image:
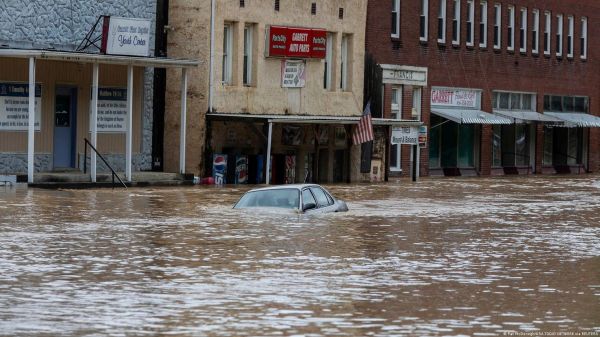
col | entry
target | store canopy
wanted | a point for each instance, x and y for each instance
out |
(465, 116)
(520, 117)
(573, 119)
(302, 119)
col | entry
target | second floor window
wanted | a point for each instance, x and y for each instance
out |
(248, 33)
(535, 32)
(227, 53)
(583, 41)
(570, 24)
(396, 18)
(523, 31)
(559, 35)
(547, 32)
(483, 24)
(328, 62)
(497, 25)
(442, 22)
(470, 19)
(423, 24)
(344, 66)
(456, 23)
(510, 44)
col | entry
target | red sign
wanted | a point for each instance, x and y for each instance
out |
(296, 42)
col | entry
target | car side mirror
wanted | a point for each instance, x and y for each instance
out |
(308, 206)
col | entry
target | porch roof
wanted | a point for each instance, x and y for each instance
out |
(81, 57)
(304, 119)
(520, 117)
(467, 116)
(574, 119)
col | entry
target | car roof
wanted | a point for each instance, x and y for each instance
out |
(282, 187)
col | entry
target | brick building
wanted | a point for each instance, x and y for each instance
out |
(508, 86)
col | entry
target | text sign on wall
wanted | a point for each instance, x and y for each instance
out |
(407, 75)
(125, 36)
(296, 42)
(14, 106)
(112, 110)
(405, 135)
(454, 97)
(293, 74)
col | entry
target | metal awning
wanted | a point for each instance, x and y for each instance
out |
(303, 119)
(520, 117)
(574, 119)
(465, 116)
(68, 56)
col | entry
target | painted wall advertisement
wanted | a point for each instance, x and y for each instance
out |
(296, 42)
(125, 36)
(454, 97)
(14, 106)
(405, 135)
(112, 110)
(293, 74)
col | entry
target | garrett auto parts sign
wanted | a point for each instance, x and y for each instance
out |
(292, 42)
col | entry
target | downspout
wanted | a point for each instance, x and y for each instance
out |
(212, 56)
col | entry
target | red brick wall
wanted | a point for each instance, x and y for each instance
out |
(489, 69)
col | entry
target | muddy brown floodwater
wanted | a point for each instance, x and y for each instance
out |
(473, 257)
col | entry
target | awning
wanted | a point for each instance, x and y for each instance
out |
(465, 116)
(520, 117)
(574, 119)
(304, 119)
(82, 57)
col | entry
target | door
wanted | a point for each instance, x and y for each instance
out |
(65, 121)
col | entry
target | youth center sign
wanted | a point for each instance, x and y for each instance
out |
(125, 36)
(292, 42)
(14, 106)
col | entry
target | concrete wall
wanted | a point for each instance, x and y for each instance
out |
(190, 37)
(62, 25)
(490, 69)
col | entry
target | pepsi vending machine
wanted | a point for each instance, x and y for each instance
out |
(241, 169)
(220, 169)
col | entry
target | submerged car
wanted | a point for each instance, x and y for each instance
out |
(303, 198)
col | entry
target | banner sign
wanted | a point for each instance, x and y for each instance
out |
(112, 110)
(296, 42)
(293, 74)
(14, 106)
(125, 36)
(454, 97)
(405, 135)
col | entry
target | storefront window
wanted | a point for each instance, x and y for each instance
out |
(574, 149)
(434, 142)
(395, 149)
(466, 135)
(497, 146)
(548, 146)
(521, 145)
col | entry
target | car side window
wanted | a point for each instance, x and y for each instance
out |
(307, 197)
(322, 199)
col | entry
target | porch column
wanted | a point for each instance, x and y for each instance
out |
(31, 127)
(183, 120)
(94, 121)
(268, 171)
(129, 123)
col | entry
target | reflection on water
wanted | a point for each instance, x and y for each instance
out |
(441, 257)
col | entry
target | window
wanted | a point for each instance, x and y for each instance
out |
(547, 32)
(248, 32)
(442, 22)
(570, 27)
(313, 8)
(396, 18)
(395, 149)
(344, 63)
(559, 35)
(566, 103)
(502, 100)
(341, 13)
(307, 197)
(456, 23)
(483, 25)
(328, 62)
(321, 197)
(535, 32)
(497, 25)
(523, 31)
(227, 53)
(277, 5)
(423, 20)
(416, 106)
(583, 38)
(510, 44)
(470, 19)
(242, 4)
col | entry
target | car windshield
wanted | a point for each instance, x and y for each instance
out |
(282, 198)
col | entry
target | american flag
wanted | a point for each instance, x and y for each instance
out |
(363, 132)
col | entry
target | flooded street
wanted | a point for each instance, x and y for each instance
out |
(474, 257)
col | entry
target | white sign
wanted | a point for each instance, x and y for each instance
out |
(14, 106)
(396, 74)
(405, 135)
(454, 97)
(112, 110)
(127, 36)
(293, 74)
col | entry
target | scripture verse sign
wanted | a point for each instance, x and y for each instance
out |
(112, 110)
(14, 106)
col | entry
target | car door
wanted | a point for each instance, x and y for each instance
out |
(324, 203)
